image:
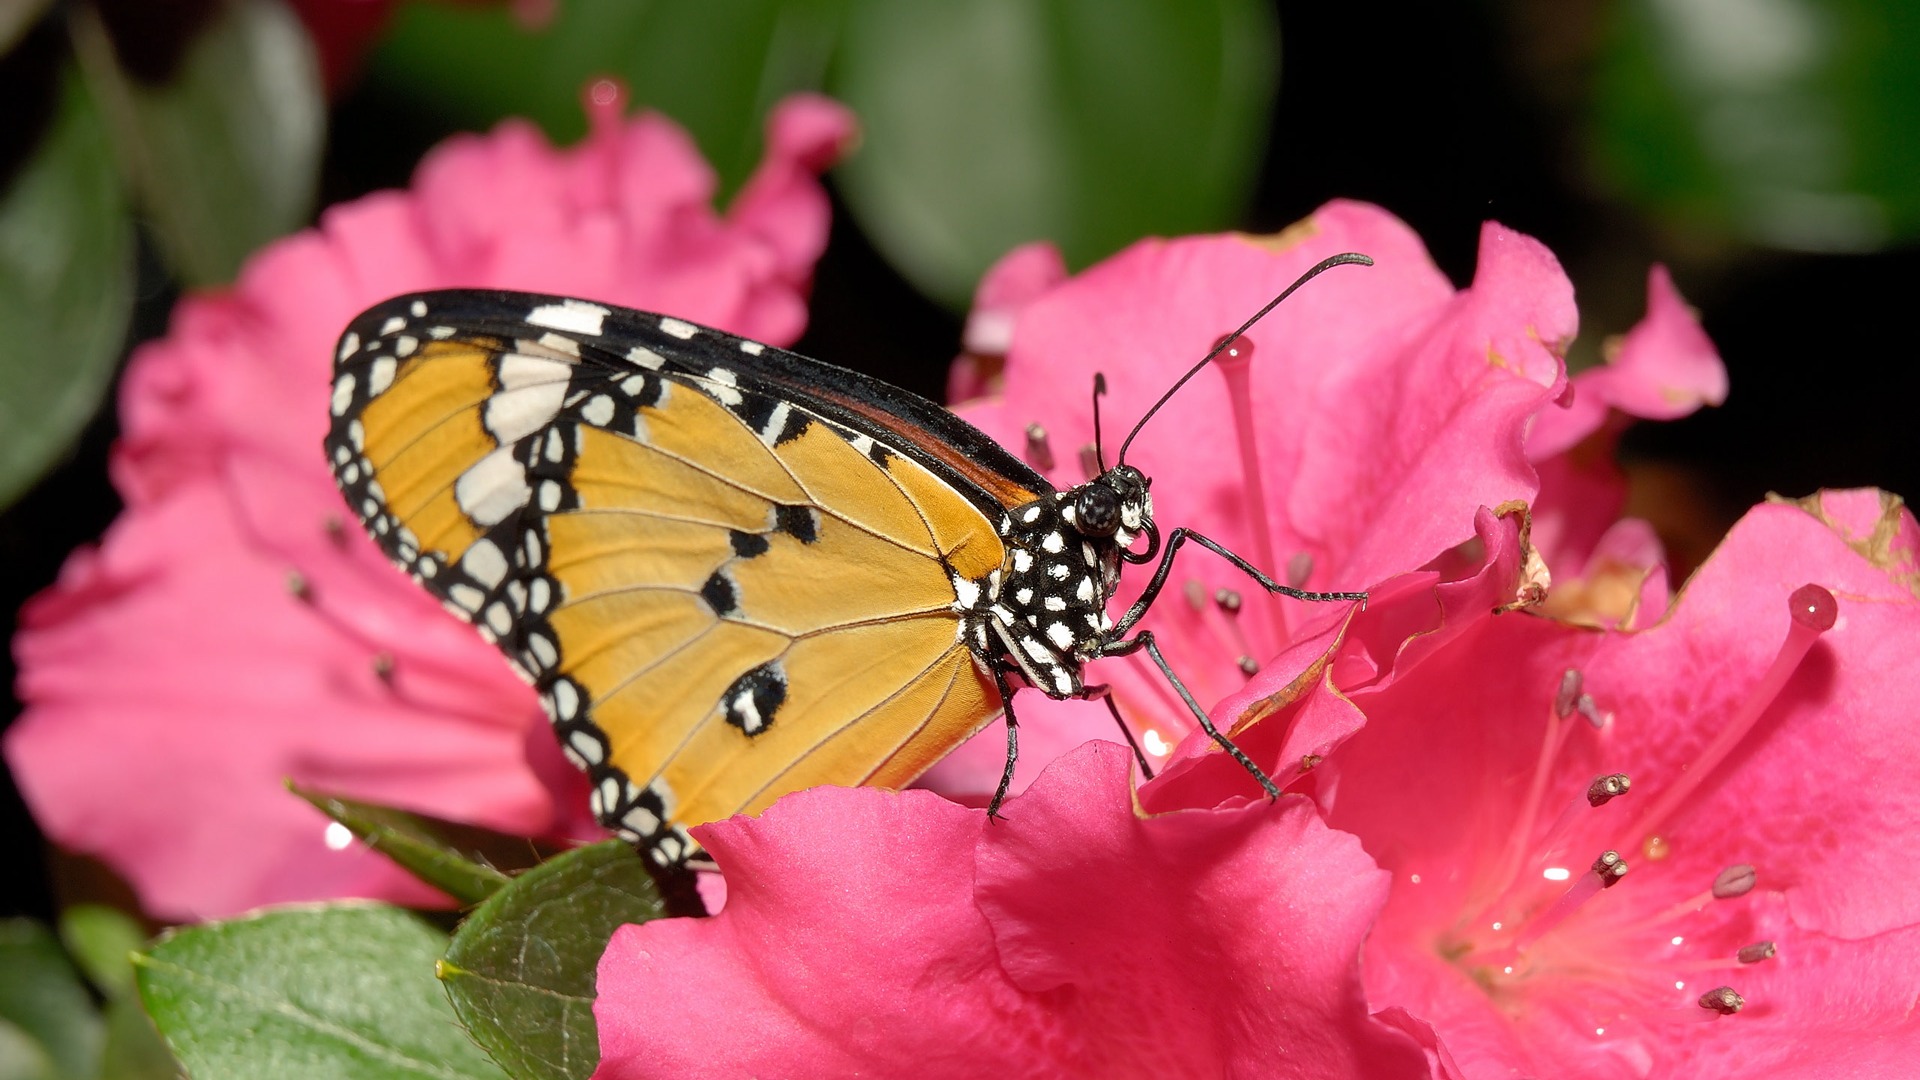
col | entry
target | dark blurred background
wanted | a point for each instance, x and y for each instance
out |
(1766, 152)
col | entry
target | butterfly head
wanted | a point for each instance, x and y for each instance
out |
(1116, 506)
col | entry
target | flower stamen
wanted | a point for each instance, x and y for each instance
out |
(1813, 611)
(1039, 448)
(1235, 365)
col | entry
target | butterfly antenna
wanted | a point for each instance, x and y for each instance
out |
(1319, 268)
(1099, 391)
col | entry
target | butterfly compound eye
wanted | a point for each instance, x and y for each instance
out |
(1096, 510)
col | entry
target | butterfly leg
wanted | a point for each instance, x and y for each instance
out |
(1160, 573)
(1013, 741)
(1105, 694)
(1144, 640)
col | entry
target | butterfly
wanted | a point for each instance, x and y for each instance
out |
(730, 571)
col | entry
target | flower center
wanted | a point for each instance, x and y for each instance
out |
(1551, 910)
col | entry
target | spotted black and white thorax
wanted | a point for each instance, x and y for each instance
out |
(1045, 610)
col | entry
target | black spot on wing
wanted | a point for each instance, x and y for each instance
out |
(721, 594)
(747, 545)
(771, 418)
(753, 699)
(799, 522)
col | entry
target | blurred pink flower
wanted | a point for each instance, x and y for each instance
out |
(235, 628)
(1768, 829)
(873, 933)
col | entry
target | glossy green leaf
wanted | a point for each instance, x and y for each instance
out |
(66, 288)
(102, 941)
(445, 856)
(715, 68)
(340, 990)
(227, 156)
(1090, 123)
(521, 969)
(1788, 123)
(51, 1021)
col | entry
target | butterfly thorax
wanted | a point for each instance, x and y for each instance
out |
(1046, 609)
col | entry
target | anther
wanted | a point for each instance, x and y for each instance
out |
(1609, 868)
(383, 666)
(1569, 693)
(1195, 594)
(336, 529)
(1735, 881)
(1585, 707)
(1248, 666)
(1607, 871)
(298, 587)
(1299, 569)
(1228, 601)
(1039, 450)
(1756, 952)
(1308, 762)
(1089, 461)
(1722, 1000)
(1605, 789)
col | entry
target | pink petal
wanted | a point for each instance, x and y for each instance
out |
(1074, 938)
(1664, 368)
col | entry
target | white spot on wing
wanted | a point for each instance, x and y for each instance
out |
(349, 345)
(494, 487)
(380, 375)
(485, 563)
(598, 411)
(682, 330)
(560, 343)
(531, 391)
(577, 316)
(966, 591)
(646, 358)
(342, 393)
(752, 348)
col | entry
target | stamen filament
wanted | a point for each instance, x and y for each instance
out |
(1813, 610)
(1235, 365)
(1607, 871)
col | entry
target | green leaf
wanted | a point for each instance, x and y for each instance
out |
(1786, 124)
(442, 854)
(714, 68)
(134, 1049)
(103, 941)
(340, 990)
(66, 289)
(227, 156)
(42, 998)
(1090, 123)
(22, 1057)
(521, 969)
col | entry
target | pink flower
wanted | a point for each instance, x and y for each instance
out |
(1381, 409)
(1381, 414)
(872, 933)
(235, 629)
(1760, 737)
